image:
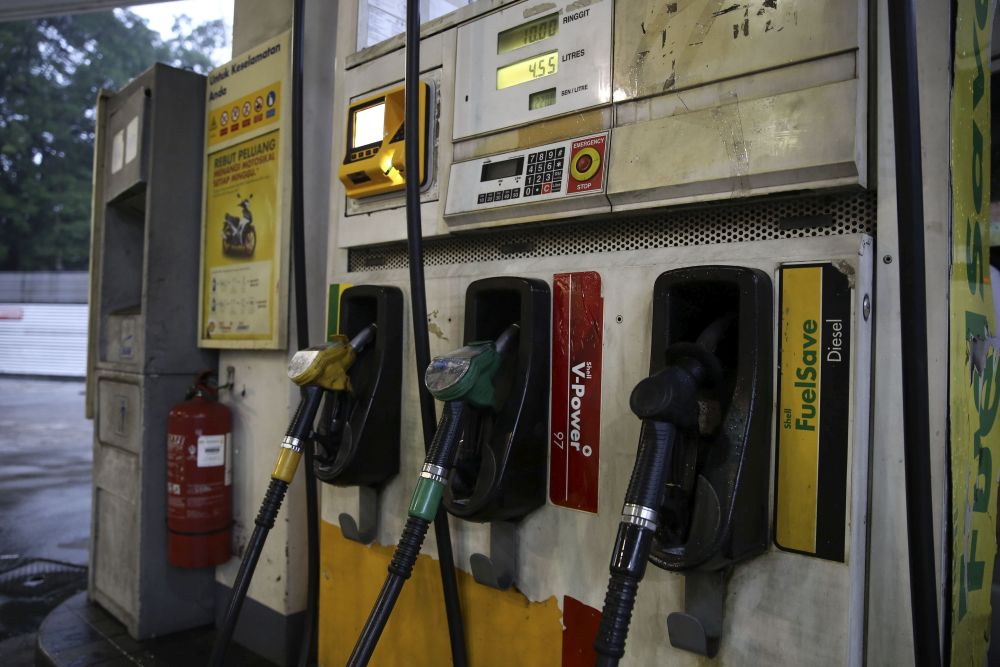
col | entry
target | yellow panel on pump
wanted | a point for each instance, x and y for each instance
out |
(502, 628)
(374, 156)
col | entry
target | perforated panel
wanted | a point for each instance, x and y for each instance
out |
(729, 223)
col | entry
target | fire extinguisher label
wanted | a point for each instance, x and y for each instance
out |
(211, 451)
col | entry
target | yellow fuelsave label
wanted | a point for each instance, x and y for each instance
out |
(814, 418)
(798, 456)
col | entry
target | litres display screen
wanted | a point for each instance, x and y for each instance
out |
(528, 69)
(528, 33)
(369, 125)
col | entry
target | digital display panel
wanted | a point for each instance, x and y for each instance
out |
(542, 99)
(493, 171)
(369, 125)
(528, 33)
(527, 70)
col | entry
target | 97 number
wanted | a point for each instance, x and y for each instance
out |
(559, 440)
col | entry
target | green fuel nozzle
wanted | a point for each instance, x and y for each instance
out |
(462, 379)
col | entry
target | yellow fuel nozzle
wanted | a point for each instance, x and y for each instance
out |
(326, 365)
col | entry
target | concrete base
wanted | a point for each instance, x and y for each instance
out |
(81, 634)
(262, 630)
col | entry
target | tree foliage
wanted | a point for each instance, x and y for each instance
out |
(50, 73)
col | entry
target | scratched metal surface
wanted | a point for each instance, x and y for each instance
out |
(670, 45)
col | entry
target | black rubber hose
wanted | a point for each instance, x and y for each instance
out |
(913, 311)
(646, 489)
(264, 522)
(421, 342)
(307, 650)
(441, 453)
(298, 428)
(400, 570)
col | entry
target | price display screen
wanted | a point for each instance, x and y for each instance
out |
(528, 33)
(527, 70)
(542, 99)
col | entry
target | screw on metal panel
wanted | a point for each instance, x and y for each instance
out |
(887, 259)
(866, 307)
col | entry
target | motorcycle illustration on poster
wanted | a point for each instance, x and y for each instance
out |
(239, 238)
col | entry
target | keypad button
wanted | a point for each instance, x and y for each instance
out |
(556, 186)
(515, 193)
(550, 154)
(527, 191)
(559, 163)
(537, 190)
(550, 165)
(547, 178)
(531, 158)
(481, 199)
(557, 175)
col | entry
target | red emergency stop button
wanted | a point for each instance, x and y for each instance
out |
(586, 164)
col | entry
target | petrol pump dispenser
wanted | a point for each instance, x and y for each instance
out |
(698, 498)
(357, 436)
(500, 469)
(595, 147)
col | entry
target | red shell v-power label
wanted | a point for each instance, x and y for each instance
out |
(199, 483)
(577, 337)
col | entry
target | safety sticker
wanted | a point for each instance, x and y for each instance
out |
(211, 451)
(577, 336)
(813, 411)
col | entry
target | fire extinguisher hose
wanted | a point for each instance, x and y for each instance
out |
(292, 447)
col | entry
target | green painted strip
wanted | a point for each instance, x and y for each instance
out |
(426, 499)
(332, 311)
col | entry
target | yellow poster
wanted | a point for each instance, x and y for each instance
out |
(243, 231)
(974, 387)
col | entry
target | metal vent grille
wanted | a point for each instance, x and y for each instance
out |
(761, 220)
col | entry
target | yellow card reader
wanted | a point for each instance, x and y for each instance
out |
(375, 162)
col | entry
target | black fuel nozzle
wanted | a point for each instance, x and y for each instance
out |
(667, 404)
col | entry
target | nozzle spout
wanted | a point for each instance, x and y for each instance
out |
(505, 339)
(364, 337)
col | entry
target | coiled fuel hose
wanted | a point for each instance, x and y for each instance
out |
(463, 379)
(317, 370)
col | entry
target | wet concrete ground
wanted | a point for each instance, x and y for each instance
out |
(45, 476)
(45, 467)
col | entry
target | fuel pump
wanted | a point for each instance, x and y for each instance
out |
(698, 498)
(463, 379)
(500, 469)
(317, 370)
(358, 432)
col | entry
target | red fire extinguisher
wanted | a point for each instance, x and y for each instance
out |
(199, 479)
